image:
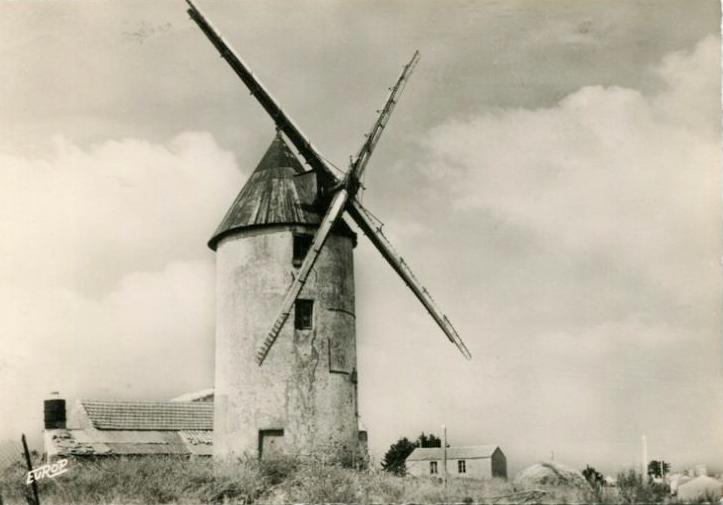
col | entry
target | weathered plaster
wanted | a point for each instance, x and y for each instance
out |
(294, 389)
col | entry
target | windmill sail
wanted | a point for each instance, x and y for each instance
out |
(371, 230)
(344, 190)
(336, 209)
(366, 150)
(337, 206)
(281, 119)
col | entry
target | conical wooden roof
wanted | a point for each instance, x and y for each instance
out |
(278, 192)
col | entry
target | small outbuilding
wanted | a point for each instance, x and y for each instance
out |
(475, 461)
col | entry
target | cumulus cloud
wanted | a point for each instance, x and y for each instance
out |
(86, 217)
(594, 313)
(607, 170)
(575, 247)
(107, 285)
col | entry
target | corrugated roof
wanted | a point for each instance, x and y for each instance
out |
(158, 416)
(279, 191)
(74, 443)
(122, 442)
(437, 453)
(128, 449)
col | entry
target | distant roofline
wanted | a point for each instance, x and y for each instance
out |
(454, 452)
(194, 395)
(130, 402)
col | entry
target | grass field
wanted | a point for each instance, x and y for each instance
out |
(172, 480)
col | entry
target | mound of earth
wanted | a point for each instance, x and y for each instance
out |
(550, 474)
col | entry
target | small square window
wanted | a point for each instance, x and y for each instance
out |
(432, 467)
(461, 466)
(302, 244)
(304, 314)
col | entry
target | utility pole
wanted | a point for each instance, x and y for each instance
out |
(645, 457)
(444, 454)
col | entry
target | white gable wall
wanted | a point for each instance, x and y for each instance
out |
(477, 468)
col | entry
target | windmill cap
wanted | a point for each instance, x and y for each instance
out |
(278, 192)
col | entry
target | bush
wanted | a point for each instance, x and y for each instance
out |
(632, 488)
(287, 480)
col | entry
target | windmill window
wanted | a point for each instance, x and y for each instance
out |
(304, 314)
(302, 244)
(461, 466)
(432, 467)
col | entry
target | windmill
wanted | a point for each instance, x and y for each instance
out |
(278, 388)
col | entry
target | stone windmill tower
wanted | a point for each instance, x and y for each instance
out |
(303, 398)
(286, 379)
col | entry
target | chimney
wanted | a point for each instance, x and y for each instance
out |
(54, 410)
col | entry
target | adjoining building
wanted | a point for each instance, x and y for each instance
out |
(476, 462)
(128, 428)
(182, 426)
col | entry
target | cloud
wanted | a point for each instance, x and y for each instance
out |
(574, 246)
(83, 218)
(607, 171)
(107, 286)
(582, 268)
(154, 328)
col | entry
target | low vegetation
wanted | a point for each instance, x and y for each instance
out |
(395, 457)
(173, 480)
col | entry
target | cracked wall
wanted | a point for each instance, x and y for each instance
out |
(305, 387)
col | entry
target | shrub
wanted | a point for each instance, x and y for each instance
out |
(632, 488)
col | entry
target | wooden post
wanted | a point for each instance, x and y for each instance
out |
(444, 454)
(35, 499)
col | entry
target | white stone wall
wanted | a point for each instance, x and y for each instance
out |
(477, 468)
(293, 389)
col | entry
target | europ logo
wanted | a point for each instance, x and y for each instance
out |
(47, 471)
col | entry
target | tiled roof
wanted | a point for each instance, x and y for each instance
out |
(158, 416)
(437, 453)
(198, 442)
(279, 191)
(197, 437)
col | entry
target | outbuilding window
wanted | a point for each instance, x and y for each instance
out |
(432, 467)
(302, 244)
(304, 314)
(461, 466)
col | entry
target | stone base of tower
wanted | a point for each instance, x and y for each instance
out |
(298, 438)
(302, 401)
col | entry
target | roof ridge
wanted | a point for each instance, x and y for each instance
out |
(143, 402)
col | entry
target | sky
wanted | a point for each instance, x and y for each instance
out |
(551, 174)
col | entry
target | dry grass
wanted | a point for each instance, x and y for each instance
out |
(180, 481)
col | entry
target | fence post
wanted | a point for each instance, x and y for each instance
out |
(35, 498)
(444, 454)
